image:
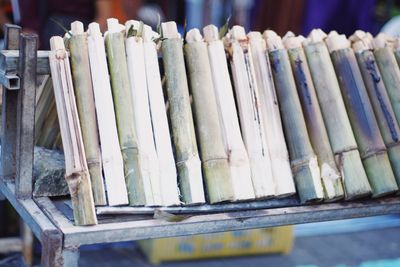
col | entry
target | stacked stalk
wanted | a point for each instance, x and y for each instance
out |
(396, 47)
(251, 121)
(184, 137)
(302, 157)
(76, 169)
(362, 118)
(214, 159)
(86, 108)
(380, 102)
(331, 180)
(113, 166)
(139, 189)
(337, 123)
(162, 138)
(282, 173)
(234, 147)
(141, 111)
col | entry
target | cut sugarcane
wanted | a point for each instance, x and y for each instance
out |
(183, 133)
(303, 160)
(396, 46)
(380, 101)
(76, 169)
(331, 180)
(234, 147)
(139, 189)
(87, 115)
(141, 111)
(337, 123)
(390, 71)
(282, 173)
(372, 148)
(113, 165)
(162, 138)
(247, 100)
(214, 159)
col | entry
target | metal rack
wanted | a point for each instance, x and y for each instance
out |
(59, 237)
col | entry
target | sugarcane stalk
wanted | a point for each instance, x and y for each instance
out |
(139, 192)
(303, 160)
(141, 111)
(396, 46)
(251, 121)
(331, 179)
(87, 115)
(334, 113)
(380, 101)
(76, 169)
(180, 113)
(282, 173)
(162, 138)
(370, 143)
(240, 172)
(212, 152)
(113, 166)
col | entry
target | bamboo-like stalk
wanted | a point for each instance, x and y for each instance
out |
(390, 71)
(282, 173)
(380, 102)
(251, 121)
(113, 166)
(362, 118)
(331, 180)
(302, 157)
(214, 159)
(86, 108)
(141, 111)
(138, 190)
(76, 169)
(337, 123)
(183, 133)
(396, 46)
(162, 138)
(234, 147)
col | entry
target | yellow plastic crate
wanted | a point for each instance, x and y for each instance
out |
(235, 243)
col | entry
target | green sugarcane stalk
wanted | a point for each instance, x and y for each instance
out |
(337, 123)
(115, 47)
(333, 188)
(212, 152)
(87, 114)
(382, 107)
(362, 118)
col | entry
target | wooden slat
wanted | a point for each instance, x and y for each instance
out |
(10, 60)
(10, 244)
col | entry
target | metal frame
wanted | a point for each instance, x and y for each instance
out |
(61, 239)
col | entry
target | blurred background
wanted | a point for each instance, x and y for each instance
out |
(368, 242)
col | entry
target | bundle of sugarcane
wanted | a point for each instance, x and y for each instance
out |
(330, 175)
(337, 123)
(282, 173)
(379, 98)
(302, 157)
(240, 172)
(372, 148)
(76, 171)
(251, 121)
(113, 166)
(141, 110)
(389, 69)
(214, 159)
(87, 115)
(184, 137)
(162, 138)
(139, 189)
(396, 46)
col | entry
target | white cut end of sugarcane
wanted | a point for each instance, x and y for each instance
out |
(210, 33)
(316, 177)
(148, 34)
(256, 37)
(289, 34)
(357, 35)
(77, 28)
(135, 24)
(292, 42)
(361, 45)
(113, 26)
(194, 36)
(334, 41)
(316, 36)
(193, 165)
(273, 41)
(170, 30)
(94, 29)
(56, 43)
(383, 40)
(237, 33)
(329, 176)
